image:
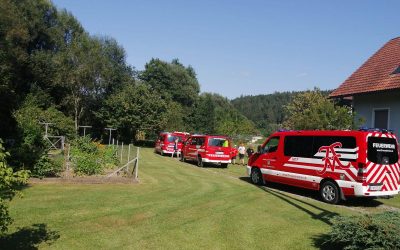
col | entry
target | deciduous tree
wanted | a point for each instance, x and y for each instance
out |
(313, 110)
(134, 108)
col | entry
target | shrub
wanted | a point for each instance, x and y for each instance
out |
(9, 181)
(47, 167)
(378, 231)
(85, 144)
(109, 156)
(86, 164)
(91, 157)
(30, 144)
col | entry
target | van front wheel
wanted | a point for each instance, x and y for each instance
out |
(256, 176)
(330, 192)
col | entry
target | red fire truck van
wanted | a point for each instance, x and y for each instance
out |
(204, 149)
(338, 164)
(166, 141)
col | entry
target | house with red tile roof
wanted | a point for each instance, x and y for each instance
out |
(375, 88)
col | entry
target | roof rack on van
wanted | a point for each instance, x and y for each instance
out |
(186, 133)
(284, 130)
(376, 130)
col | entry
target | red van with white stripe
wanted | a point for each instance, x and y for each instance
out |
(166, 141)
(214, 149)
(338, 164)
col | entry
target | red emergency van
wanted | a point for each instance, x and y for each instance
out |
(338, 164)
(204, 149)
(166, 141)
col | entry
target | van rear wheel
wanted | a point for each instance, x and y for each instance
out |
(330, 192)
(256, 176)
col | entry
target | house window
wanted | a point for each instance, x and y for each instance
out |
(381, 118)
(396, 71)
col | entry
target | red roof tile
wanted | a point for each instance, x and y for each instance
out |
(375, 74)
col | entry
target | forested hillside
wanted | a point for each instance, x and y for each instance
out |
(266, 111)
(53, 71)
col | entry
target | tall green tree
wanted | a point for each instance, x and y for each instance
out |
(135, 108)
(313, 110)
(88, 70)
(172, 81)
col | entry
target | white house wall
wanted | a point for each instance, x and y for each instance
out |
(365, 104)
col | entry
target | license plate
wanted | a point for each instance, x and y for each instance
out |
(375, 188)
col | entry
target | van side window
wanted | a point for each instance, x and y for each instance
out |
(347, 141)
(271, 145)
(194, 141)
(200, 141)
(299, 146)
(308, 146)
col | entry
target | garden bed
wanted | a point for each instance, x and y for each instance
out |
(85, 180)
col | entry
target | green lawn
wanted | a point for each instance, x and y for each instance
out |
(175, 206)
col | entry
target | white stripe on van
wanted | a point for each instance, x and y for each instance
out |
(344, 156)
(352, 150)
(290, 175)
(341, 171)
(311, 160)
(302, 166)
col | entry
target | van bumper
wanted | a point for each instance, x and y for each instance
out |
(215, 161)
(248, 169)
(362, 191)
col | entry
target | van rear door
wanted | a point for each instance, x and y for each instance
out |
(383, 164)
(218, 148)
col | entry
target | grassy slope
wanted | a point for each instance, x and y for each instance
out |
(176, 205)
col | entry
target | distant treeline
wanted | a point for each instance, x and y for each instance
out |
(267, 111)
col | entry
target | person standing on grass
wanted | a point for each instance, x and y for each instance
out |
(250, 151)
(176, 150)
(242, 151)
(234, 154)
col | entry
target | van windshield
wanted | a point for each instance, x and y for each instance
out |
(218, 142)
(382, 150)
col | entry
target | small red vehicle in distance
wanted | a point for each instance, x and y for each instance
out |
(204, 149)
(166, 141)
(338, 164)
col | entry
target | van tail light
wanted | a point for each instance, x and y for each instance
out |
(361, 174)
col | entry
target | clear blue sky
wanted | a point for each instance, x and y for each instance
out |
(247, 47)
